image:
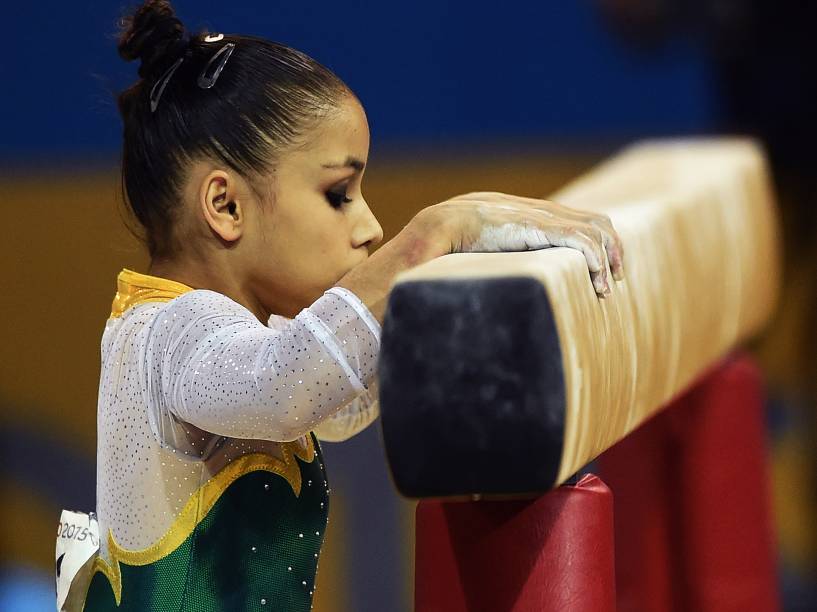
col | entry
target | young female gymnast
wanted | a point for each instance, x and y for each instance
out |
(257, 331)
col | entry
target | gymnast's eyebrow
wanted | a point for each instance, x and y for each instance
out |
(350, 162)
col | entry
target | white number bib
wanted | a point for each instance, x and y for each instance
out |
(77, 547)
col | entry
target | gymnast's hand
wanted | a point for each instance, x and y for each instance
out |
(490, 222)
(486, 222)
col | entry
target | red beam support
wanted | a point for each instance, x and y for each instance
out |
(692, 502)
(554, 552)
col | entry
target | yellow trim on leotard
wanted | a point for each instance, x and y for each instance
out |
(199, 504)
(133, 288)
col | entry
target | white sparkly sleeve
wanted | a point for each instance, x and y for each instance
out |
(215, 366)
(360, 412)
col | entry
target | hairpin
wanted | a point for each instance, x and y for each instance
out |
(159, 87)
(206, 81)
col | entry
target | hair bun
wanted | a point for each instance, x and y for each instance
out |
(153, 34)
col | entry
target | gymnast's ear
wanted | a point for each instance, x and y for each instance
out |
(221, 205)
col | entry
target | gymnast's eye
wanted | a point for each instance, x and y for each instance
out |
(337, 196)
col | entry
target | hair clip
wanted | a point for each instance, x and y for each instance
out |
(206, 81)
(159, 87)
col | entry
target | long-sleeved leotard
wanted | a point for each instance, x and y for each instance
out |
(195, 392)
(213, 365)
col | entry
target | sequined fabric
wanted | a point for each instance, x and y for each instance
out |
(191, 382)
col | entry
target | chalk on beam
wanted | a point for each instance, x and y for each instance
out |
(504, 373)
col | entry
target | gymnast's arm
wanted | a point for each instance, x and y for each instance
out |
(215, 366)
(360, 412)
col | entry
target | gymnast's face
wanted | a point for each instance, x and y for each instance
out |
(277, 243)
(314, 224)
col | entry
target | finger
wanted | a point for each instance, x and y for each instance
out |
(613, 247)
(587, 240)
(615, 255)
(599, 277)
(612, 242)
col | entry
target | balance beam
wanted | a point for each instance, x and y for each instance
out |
(504, 373)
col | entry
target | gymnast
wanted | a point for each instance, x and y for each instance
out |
(256, 331)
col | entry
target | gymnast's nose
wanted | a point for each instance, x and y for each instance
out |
(367, 230)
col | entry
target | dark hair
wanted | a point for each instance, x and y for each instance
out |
(262, 102)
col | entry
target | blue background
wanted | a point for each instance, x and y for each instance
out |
(428, 72)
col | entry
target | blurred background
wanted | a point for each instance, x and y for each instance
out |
(518, 96)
